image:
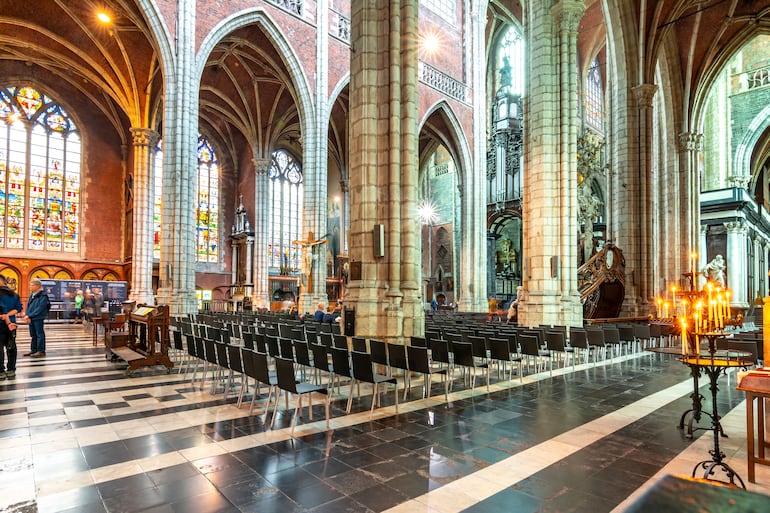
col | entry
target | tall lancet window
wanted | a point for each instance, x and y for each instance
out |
(286, 207)
(206, 206)
(207, 211)
(40, 157)
(594, 97)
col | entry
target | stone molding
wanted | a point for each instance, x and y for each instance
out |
(689, 141)
(144, 137)
(261, 166)
(644, 94)
(735, 226)
(568, 14)
(739, 181)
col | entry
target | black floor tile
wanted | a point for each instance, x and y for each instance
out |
(172, 474)
(209, 503)
(379, 497)
(137, 484)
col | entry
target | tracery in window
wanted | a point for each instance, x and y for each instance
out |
(40, 156)
(444, 8)
(286, 205)
(510, 53)
(594, 96)
(206, 206)
(207, 213)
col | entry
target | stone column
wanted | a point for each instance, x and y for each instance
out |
(700, 281)
(344, 217)
(472, 283)
(551, 210)
(644, 259)
(690, 148)
(568, 14)
(491, 264)
(765, 271)
(737, 263)
(180, 138)
(144, 141)
(248, 289)
(383, 136)
(758, 274)
(315, 163)
(234, 263)
(262, 202)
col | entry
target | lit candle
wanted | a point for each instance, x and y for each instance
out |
(684, 336)
(684, 308)
(665, 310)
(660, 303)
(696, 316)
(727, 300)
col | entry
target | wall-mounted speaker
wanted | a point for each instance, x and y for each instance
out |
(378, 240)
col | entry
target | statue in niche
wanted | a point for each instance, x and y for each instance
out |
(715, 271)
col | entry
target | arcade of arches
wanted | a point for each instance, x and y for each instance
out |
(504, 165)
(385, 153)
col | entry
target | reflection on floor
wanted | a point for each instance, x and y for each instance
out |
(78, 435)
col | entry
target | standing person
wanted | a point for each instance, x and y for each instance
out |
(10, 305)
(79, 298)
(98, 301)
(38, 306)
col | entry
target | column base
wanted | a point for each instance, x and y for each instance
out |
(550, 310)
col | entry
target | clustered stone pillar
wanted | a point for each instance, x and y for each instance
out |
(383, 170)
(473, 280)
(144, 141)
(737, 263)
(180, 129)
(315, 158)
(690, 148)
(550, 211)
(261, 294)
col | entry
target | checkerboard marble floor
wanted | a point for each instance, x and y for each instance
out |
(79, 435)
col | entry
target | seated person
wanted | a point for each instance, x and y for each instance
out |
(318, 316)
(329, 315)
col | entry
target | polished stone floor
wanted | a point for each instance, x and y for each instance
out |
(78, 435)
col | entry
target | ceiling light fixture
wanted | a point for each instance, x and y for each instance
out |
(103, 17)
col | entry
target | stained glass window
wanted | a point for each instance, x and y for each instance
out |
(207, 213)
(206, 207)
(593, 96)
(286, 206)
(158, 196)
(40, 153)
(511, 51)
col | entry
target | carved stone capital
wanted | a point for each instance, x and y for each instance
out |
(261, 166)
(343, 186)
(689, 141)
(735, 226)
(739, 181)
(568, 13)
(644, 94)
(704, 229)
(144, 137)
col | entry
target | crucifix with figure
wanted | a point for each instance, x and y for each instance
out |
(309, 254)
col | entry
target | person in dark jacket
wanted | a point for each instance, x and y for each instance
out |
(10, 305)
(318, 316)
(35, 314)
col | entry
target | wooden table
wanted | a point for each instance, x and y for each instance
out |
(756, 384)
